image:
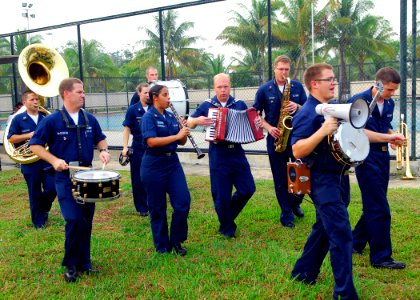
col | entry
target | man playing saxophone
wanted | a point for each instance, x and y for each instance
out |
(269, 99)
(39, 175)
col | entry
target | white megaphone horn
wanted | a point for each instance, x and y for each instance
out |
(357, 113)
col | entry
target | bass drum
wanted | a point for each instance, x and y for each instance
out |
(349, 146)
(178, 95)
(96, 186)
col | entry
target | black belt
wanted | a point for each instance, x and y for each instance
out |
(160, 153)
(381, 148)
(224, 145)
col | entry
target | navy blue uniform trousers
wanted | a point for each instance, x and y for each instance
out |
(331, 232)
(41, 190)
(229, 168)
(163, 175)
(78, 228)
(139, 193)
(374, 226)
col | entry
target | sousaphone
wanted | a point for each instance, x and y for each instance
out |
(42, 69)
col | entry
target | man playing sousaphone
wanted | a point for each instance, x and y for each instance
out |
(39, 175)
(71, 134)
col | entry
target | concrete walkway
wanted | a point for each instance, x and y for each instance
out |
(259, 165)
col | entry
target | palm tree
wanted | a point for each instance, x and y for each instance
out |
(371, 42)
(96, 63)
(293, 31)
(250, 31)
(215, 65)
(340, 35)
(177, 46)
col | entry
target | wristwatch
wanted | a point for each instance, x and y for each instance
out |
(103, 149)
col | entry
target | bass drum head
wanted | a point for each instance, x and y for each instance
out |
(96, 175)
(353, 142)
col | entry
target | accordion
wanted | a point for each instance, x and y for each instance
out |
(235, 126)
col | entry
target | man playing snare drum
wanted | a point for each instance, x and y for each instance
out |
(71, 134)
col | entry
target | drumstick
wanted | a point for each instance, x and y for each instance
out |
(103, 166)
(79, 168)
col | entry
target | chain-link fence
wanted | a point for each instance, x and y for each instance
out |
(108, 97)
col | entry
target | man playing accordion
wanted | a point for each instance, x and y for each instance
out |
(229, 166)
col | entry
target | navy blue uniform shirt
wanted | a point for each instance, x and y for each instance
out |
(133, 120)
(135, 99)
(305, 123)
(154, 124)
(62, 140)
(267, 95)
(22, 123)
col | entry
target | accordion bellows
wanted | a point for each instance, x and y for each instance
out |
(234, 126)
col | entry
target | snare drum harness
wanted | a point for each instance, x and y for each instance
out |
(77, 127)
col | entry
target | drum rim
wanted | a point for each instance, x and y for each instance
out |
(105, 179)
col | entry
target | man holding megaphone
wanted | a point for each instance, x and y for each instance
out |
(329, 187)
(374, 224)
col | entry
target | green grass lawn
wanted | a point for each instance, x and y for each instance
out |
(255, 265)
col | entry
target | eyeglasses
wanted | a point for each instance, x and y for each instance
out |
(329, 79)
(282, 69)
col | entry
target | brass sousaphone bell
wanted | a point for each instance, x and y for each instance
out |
(42, 69)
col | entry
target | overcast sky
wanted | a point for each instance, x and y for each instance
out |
(209, 19)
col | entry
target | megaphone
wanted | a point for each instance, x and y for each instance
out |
(357, 113)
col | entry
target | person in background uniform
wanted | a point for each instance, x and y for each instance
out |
(132, 124)
(269, 99)
(162, 173)
(72, 134)
(374, 225)
(39, 175)
(151, 75)
(229, 166)
(329, 188)
(18, 105)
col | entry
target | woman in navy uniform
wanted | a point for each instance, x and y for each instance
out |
(269, 99)
(72, 134)
(39, 175)
(132, 125)
(228, 164)
(162, 173)
(329, 188)
(374, 225)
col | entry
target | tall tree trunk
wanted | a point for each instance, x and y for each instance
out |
(344, 92)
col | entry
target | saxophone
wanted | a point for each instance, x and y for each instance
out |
(285, 121)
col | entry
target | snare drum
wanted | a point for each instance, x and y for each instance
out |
(349, 146)
(96, 186)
